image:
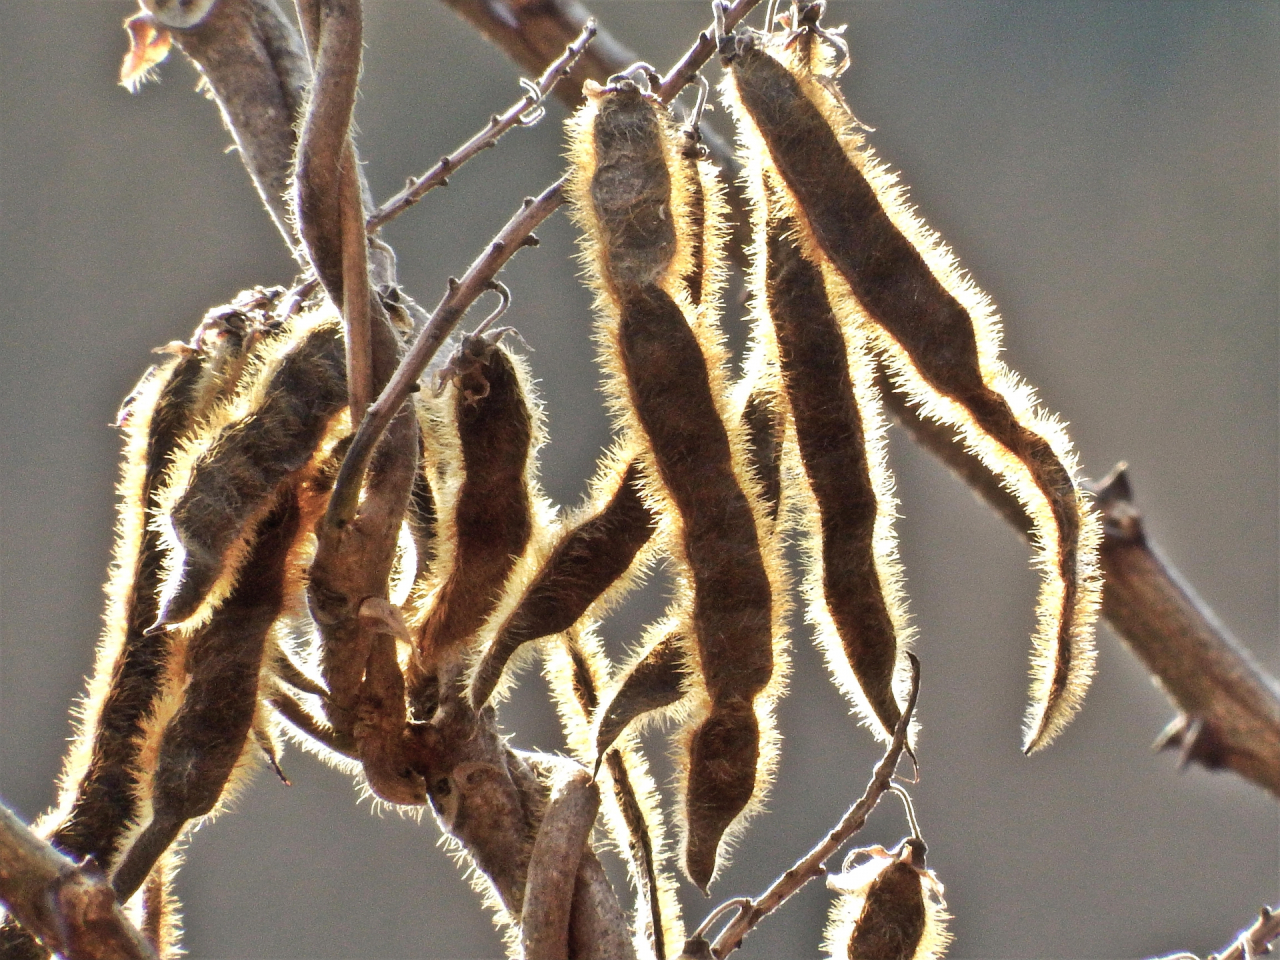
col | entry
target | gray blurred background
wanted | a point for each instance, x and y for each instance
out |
(1107, 171)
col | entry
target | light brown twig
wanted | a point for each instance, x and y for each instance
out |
(810, 865)
(524, 112)
(71, 909)
(553, 865)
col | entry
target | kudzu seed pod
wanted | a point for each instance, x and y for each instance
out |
(720, 782)
(885, 270)
(631, 192)
(839, 435)
(230, 479)
(201, 755)
(490, 511)
(591, 558)
(891, 908)
(658, 679)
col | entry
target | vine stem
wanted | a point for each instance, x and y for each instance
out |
(811, 865)
(524, 112)
(71, 909)
(463, 292)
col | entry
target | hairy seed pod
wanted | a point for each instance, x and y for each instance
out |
(202, 748)
(631, 192)
(490, 512)
(890, 908)
(939, 334)
(225, 483)
(721, 779)
(658, 679)
(161, 912)
(855, 576)
(589, 560)
(765, 426)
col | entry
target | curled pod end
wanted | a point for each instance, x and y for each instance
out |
(889, 908)
(724, 752)
(1064, 655)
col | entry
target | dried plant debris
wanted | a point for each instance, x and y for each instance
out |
(890, 908)
(890, 278)
(667, 385)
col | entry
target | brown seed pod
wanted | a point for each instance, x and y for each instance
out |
(658, 679)
(720, 782)
(853, 586)
(890, 908)
(200, 755)
(585, 569)
(486, 509)
(632, 197)
(886, 272)
(227, 480)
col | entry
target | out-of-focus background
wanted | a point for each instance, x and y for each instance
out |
(1107, 171)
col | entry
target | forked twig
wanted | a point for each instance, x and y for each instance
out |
(1254, 941)
(524, 112)
(462, 293)
(810, 865)
(71, 909)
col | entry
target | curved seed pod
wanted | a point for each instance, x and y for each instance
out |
(890, 908)
(553, 866)
(765, 426)
(200, 756)
(218, 491)
(586, 568)
(487, 518)
(720, 782)
(631, 195)
(853, 587)
(885, 270)
(656, 680)
(576, 670)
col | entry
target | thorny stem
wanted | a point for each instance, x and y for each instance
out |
(72, 910)
(524, 112)
(462, 293)
(530, 34)
(1229, 706)
(811, 864)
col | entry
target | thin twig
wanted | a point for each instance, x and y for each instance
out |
(524, 112)
(72, 910)
(1255, 941)
(553, 866)
(810, 865)
(458, 299)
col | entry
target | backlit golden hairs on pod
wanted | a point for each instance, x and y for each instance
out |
(891, 278)
(890, 908)
(485, 498)
(217, 492)
(630, 190)
(853, 586)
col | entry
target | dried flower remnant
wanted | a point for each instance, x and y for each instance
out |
(889, 276)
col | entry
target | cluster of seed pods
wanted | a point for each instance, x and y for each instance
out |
(223, 634)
